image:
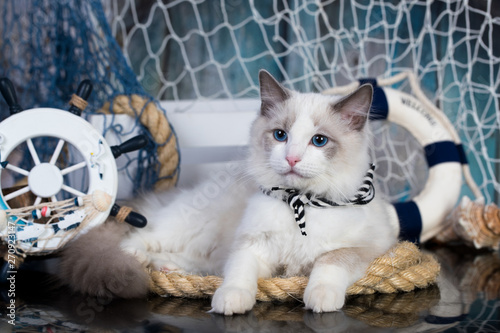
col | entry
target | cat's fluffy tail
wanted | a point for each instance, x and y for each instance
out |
(95, 264)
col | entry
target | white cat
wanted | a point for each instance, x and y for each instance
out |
(304, 205)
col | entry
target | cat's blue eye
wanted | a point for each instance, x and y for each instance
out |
(280, 135)
(319, 140)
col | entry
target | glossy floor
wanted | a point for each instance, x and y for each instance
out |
(466, 299)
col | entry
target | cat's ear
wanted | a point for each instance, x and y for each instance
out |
(271, 92)
(355, 107)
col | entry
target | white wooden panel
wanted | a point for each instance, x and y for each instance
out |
(211, 134)
(224, 127)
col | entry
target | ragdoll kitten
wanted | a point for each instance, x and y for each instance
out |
(305, 205)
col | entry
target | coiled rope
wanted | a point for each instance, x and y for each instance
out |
(403, 268)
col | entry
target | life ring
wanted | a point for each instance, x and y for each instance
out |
(421, 218)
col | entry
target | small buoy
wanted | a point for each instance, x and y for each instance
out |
(101, 200)
(46, 211)
(39, 213)
(36, 214)
(78, 201)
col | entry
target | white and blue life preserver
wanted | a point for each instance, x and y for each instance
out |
(421, 218)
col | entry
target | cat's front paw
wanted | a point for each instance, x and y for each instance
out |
(232, 300)
(164, 264)
(324, 297)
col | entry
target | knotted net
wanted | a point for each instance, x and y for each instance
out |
(49, 47)
(206, 50)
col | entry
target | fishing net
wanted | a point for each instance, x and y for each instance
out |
(208, 50)
(49, 47)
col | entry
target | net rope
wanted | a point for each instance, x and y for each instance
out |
(43, 228)
(205, 50)
(48, 47)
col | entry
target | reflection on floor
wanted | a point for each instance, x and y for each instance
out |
(465, 299)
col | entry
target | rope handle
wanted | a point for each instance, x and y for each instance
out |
(126, 214)
(78, 102)
(123, 213)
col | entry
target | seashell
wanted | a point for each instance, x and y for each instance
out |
(492, 218)
(101, 200)
(475, 224)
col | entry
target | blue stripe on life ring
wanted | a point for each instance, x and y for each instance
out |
(380, 108)
(410, 221)
(442, 152)
(461, 154)
(370, 80)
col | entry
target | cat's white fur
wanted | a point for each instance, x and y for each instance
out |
(190, 230)
(228, 226)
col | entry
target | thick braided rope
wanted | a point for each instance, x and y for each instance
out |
(403, 268)
(78, 102)
(157, 124)
(123, 213)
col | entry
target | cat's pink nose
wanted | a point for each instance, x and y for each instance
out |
(292, 160)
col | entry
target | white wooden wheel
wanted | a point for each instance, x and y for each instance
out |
(47, 180)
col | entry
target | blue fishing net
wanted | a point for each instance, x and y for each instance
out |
(48, 47)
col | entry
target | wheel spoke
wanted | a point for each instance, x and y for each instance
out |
(72, 191)
(17, 169)
(57, 151)
(33, 152)
(37, 201)
(53, 198)
(17, 193)
(73, 168)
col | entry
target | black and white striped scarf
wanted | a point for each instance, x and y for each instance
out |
(297, 200)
